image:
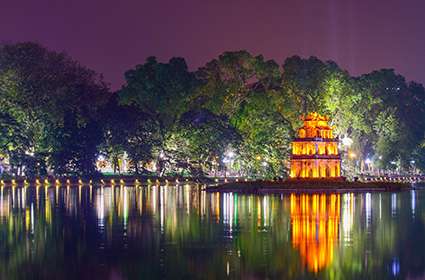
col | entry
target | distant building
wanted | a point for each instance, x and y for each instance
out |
(315, 150)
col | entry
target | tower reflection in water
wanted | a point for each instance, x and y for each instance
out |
(246, 234)
(315, 227)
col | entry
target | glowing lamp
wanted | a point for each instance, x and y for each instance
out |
(346, 141)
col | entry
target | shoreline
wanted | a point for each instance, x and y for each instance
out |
(221, 185)
(110, 180)
(307, 186)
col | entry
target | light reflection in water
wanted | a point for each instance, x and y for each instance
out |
(368, 207)
(317, 232)
(162, 206)
(100, 208)
(347, 218)
(315, 226)
(32, 218)
(228, 210)
(124, 192)
(394, 204)
(413, 201)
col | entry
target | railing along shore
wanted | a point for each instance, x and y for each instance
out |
(165, 180)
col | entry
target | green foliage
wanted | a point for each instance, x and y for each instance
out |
(228, 80)
(57, 115)
(263, 104)
(134, 132)
(387, 128)
(199, 140)
(160, 89)
(266, 137)
(49, 106)
(246, 90)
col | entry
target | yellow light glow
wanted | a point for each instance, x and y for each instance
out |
(314, 228)
(315, 152)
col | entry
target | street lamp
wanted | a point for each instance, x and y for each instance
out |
(230, 154)
(346, 141)
(228, 159)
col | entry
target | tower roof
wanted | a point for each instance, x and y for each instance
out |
(315, 126)
(314, 116)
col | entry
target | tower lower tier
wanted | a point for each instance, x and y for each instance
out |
(315, 168)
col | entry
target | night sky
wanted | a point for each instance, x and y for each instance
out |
(113, 36)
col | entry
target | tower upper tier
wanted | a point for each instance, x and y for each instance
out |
(315, 126)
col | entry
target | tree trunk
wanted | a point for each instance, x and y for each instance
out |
(136, 167)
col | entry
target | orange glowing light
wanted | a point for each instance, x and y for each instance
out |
(314, 228)
(315, 150)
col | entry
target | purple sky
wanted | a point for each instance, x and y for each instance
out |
(113, 36)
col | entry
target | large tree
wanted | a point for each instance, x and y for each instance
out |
(396, 116)
(128, 129)
(160, 90)
(199, 141)
(228, 80)
(247, 89)
(55, 101)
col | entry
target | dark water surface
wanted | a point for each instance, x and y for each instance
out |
(181, 232)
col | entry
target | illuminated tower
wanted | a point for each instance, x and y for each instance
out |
(315, 150)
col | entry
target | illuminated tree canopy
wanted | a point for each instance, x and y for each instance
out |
(57, 115)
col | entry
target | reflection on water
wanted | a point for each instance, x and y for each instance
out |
(182, 232)
(315, 225)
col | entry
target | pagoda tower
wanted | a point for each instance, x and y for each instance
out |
(315, 150)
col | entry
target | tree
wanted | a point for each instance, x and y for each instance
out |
(199, 140)
(390, 90)
(159, 89)
(266, 136)
(303, 82)
(386, 127)
(55, 101)
(127, 129)
(57, 115)
(227, 81)
(246, 89)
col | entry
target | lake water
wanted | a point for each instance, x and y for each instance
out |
(181, 232)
